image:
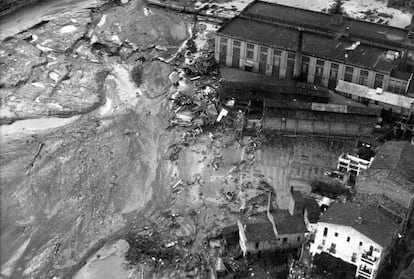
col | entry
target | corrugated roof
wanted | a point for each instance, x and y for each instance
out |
(373, 223)
(370, 93)
(322, 22)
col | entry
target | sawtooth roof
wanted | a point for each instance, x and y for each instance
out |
(374, 223)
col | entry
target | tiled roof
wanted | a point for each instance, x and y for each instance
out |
(288, 224)
(258, 228)
(373, 222)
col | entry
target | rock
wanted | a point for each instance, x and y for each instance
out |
(17, 60)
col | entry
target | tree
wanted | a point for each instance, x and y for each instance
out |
(337, 7)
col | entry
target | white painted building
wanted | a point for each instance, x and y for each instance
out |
(357, 234)
(353, 164)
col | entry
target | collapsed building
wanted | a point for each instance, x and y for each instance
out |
(294, 107)
(285, 42)
(391, 174)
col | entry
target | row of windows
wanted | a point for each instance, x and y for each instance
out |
(348, 239)
(277, 57)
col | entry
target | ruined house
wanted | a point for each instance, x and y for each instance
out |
(391, 173)
(277, 229)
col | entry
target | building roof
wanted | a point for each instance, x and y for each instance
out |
(297, 196)
(322, 22)
(396, 156)
(370, 93)
(363, 56)
(258, 228)
(288, 224)
(320, 116)
(313, 209)
(365, 218)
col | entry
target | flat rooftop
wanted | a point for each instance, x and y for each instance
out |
(363, 56)
(322, 21)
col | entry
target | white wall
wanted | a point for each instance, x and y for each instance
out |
(344, 249)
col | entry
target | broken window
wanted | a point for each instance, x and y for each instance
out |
(363, 77)
(379, 79)
(349, 72)
(250, 51)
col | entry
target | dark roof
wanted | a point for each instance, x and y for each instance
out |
(313, 209)
(407, 273)
(322, 22)
(297, 196)
(288, 224)
(398, 158)
(363, 56)
(320, 115)
(400, 75)
(373, 222)
(258, 228)
(297, 103)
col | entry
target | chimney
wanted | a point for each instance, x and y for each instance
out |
(359, 220)
(298, 57)
(296, 202)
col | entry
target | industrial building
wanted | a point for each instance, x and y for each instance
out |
(318, 48)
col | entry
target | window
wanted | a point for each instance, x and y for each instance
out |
(223, 51)
(379, 79)
(305, 68)
(363, 77)
(284, 239)
(325, 231)
(323, 241)
(332, 249)
(360, 243)
(298, 238)
(353, 259)
(290, 66)
(257, 245)
(250, 51)
(336, 234)
(236, 54)
(349, 71)
(263, 60)
(348, 239)
(277, 57)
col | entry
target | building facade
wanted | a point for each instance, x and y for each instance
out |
(357, 234)
(265, 39)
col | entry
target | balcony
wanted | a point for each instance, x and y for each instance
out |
(368, 258)
(365, 271)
